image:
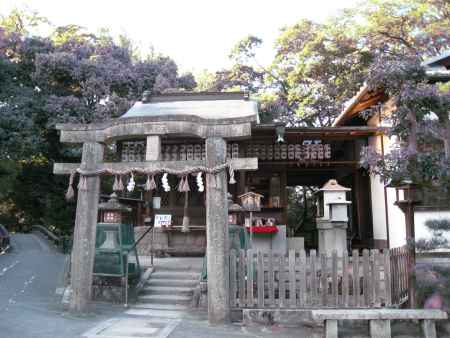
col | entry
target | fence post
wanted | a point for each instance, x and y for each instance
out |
(260, 276)
(376, 277)
(356, 290)
(366, 277)
(250, 301)
(324, 278)
(292, 286)
(233, 301)
(282, 281)
(334, 278)
(345, 275)
(314, 281)
(303, 273)
(387, 276)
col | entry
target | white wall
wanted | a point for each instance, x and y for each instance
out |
(397, 227)
(396, 218)
(378, 208)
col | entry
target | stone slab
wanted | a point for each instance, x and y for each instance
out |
(285, 317)
(155, 313)
(133, 328)
(371, 314)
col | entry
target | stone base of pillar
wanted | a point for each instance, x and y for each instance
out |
(332, 236)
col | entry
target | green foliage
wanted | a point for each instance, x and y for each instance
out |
(438, 225)
(301, 214)
(319, 67)
(71, 75)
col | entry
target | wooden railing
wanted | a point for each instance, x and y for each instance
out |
(298, 280)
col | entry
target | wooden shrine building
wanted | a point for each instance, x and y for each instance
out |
(287, 157)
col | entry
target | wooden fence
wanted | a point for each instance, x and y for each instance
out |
(298, 280)
(399, 272)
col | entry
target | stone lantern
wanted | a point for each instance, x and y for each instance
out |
(109, 230)
(234, 219)
(112, 210)
(234, 212)
(115, 252)
(332, 222)
(251, 201)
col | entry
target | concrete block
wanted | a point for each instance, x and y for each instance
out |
(380, 328)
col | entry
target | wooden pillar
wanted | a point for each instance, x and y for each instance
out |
(217, 248)
(407, 207)
(411, 244)
(83, 251)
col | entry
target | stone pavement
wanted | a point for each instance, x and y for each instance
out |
(194, 324)
(180, 321)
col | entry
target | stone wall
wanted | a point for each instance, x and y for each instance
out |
(174, 242)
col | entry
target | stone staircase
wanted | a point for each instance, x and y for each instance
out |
(168, 293)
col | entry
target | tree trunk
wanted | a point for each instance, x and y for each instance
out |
(412, 137)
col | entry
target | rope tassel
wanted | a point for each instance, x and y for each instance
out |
(116, 184)
(82, 184)
(150, 184)
(183, 186)
(120, 186)
(70, 193)
(231, 171)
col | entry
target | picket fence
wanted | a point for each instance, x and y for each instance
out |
(300, 280)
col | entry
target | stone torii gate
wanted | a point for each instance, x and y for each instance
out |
(152, 119)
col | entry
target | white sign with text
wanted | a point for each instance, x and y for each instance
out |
(161, 220)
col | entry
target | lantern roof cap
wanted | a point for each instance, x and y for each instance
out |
(333, 185)
(250, 193)
(403, 183)
(113, 204)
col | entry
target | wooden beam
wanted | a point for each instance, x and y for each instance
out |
(249, 163)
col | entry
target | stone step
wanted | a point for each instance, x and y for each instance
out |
(167, 307)
(165, 299)
(155, 313)
(172, 282)
(174, 275)
(178, 268)
(167, 290)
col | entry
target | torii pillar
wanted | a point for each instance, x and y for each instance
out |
(217, 242)
(83, 251)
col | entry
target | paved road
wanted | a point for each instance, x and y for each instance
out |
(29, 275)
